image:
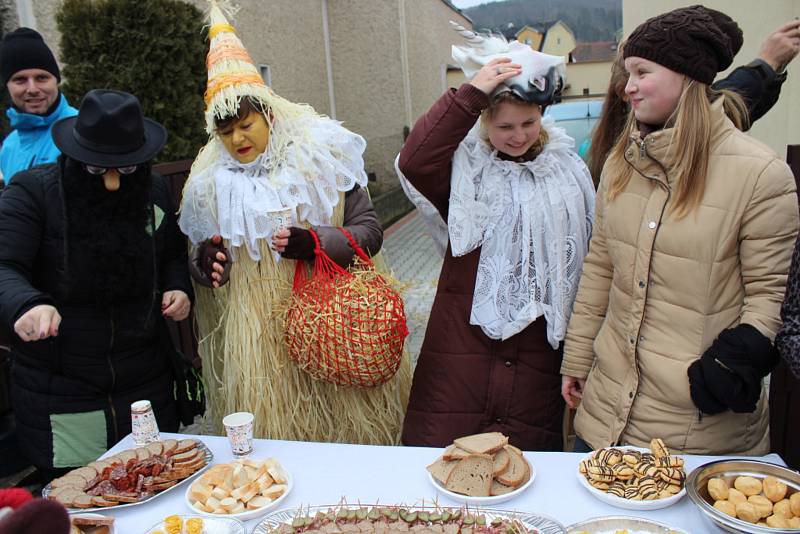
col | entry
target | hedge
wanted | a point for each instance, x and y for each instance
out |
(154, 49)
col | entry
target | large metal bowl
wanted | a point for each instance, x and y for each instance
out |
(697, 488)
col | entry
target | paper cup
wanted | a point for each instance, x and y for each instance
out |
(239, 427)
(144, 426)
(280, 219)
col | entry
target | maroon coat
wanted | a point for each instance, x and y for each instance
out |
(466, 382)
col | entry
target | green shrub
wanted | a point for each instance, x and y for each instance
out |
(154, 49)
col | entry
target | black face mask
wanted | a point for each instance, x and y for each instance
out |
(109, 247)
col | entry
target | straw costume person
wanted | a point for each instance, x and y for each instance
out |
(271, 169)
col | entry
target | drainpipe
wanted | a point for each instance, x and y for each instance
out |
(25, 14)
(328, 62)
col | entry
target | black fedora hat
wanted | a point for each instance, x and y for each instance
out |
(109, 131)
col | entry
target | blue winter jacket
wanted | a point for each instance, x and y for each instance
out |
(30, 142)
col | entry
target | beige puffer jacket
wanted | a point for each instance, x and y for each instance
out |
(656, 291)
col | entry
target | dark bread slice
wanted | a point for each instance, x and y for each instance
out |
(472, 476)
(486, 443)
(161, 486)
(69, 481)
(187, 456)
(155, 448)
(441, 469)
(142, 453)
(84, 500)
(185, 445)
(500, 489)
(101, 501)
(502, 461)
(96, 521)
(169, 447)
(517, 470)
(121, 498)
(454, 453)
(87, 473)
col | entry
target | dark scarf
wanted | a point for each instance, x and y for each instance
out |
(109, 252)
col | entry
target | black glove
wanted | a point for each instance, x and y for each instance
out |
(206, 255)
(728, 375)
(300, 246)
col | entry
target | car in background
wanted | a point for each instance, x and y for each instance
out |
(578, 118)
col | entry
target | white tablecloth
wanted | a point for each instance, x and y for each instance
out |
(325, 473)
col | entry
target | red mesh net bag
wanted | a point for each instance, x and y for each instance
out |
(345, 326)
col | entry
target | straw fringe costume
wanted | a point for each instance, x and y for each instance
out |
(309, 165)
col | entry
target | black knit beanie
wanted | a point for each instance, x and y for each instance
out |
(23, 49)
(695, 41)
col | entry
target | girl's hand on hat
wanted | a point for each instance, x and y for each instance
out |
(494, 73)
(176, 305)
(40, 322)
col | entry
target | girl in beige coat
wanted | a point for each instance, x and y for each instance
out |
(672, 329)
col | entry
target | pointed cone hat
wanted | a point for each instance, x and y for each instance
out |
(232, 73)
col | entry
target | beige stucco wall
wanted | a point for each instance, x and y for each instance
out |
(272, 33)
(781, 126)
(388, 60)
(559, 40)
(389, 64)
(368, 78)
(429, 52)
(291, 45)
(593, 75)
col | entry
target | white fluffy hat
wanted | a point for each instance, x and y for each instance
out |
(542, 74)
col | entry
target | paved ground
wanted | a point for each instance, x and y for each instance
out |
(415, 261)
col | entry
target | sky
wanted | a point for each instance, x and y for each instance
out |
(463, 4)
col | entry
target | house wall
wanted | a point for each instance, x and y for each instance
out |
(388, 61)
(591, 75)
(534, 36)
(559, 40)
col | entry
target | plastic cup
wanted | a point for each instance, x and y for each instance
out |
(239, 427)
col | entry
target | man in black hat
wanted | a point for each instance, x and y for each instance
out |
(31, 75)
(92, 263)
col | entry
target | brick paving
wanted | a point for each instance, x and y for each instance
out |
(416, 263)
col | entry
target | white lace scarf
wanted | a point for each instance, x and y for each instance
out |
(234, 199)
(532, 220)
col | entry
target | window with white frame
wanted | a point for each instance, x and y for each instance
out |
(266, 74)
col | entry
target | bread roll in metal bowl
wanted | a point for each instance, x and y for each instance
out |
(697, 488)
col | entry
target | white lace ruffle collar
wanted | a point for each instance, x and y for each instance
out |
(241, 201)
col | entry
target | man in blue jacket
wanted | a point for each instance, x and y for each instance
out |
(31, 74)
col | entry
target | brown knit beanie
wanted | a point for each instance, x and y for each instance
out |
(695, 41)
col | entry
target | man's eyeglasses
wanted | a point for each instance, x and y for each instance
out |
(98, 171)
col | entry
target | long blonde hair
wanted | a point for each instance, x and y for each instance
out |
(691, 131)
(489, 113)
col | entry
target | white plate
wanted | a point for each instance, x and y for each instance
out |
(249, 514)
(111, 529)
(209, 458)
(483, 501)
(211, 525)
(628, 504)
(536, 523)
(631, 525)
